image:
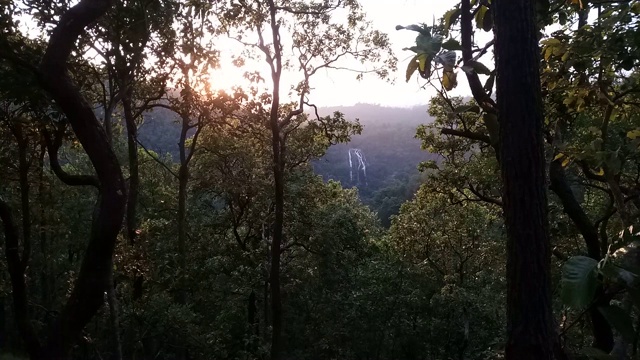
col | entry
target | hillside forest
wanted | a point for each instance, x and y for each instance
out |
(147, 214)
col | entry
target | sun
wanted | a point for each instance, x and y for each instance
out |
(226, 78)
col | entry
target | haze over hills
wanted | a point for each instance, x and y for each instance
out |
(390, 152)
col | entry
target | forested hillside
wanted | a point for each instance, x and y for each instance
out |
(150, 211)
(387, 142)
(391, 155)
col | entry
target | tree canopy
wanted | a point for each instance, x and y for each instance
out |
(146, 212)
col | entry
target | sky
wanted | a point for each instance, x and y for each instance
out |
(340, 88)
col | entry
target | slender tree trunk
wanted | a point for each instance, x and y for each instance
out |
(3, 321)
(23, 168)
(114, 317)
(134, 177)
(276, 239)
(530, 330)
(183, 179)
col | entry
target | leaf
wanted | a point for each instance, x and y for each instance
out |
(559, 156)
(488, 86)
(578, 281)
(633, 134)
(566, 162)
(493, 127)
(451, 44)
(447, 59)
(450, 17)
(620, 320)
(415, 49)
(618, 274)
(424, 65)
(428, 44)
(449, 80)
(412, 67)
(475, 66)
(480, 16)
(467, 108)
(424, 30)
(487, 21)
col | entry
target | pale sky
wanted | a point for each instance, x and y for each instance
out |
(339, 88)
(335, 87)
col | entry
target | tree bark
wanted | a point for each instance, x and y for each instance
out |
(530, 330)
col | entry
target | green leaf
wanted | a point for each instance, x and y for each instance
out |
(618, 274)
(412, 67)
(428, 44)
(449, 80)
(480, 16)
(488, 86)
(493, 127)
(487, 21)
(619, 320)
(451, 44)
(450, 17)
(424, 30)
(578, 282)
(447, 59)
(424, 65)
(467, 108)
(633, 134)
(474, 66)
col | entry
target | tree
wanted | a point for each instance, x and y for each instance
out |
(87, 294)
(520, 151)
(530, 330)
(344, 37)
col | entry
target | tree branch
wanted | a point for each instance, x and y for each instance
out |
(52, 149)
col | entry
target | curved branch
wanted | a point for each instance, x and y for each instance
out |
(72, 180)
(467, 134)
(573, 209)
(477, 90)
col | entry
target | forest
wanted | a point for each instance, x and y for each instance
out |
(148, 213)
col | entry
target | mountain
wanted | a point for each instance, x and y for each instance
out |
(390, 153)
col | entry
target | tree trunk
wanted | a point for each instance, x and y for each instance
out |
(114, 317)
(134, 177)
(276, 239)
(183, 179)
(530, 330)
(93, 278)
(3, 321)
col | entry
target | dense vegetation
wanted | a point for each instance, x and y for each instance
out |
(146, 215)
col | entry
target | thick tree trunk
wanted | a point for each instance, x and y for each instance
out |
(530, 330)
